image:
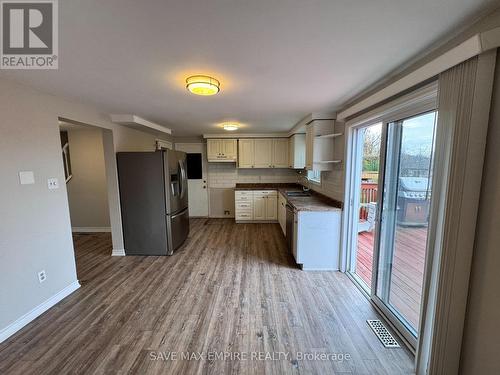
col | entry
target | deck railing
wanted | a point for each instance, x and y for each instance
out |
(368, 194)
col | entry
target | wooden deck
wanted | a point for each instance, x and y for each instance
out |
(408, 268)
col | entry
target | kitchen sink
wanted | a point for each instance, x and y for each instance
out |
(298, 194)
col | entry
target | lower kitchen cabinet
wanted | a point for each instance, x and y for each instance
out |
(257, 205)
(316, 245)
(272, 207)
(243, 205)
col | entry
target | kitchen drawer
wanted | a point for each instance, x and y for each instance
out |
(265, 193)
(244, 213)
(241, 216)
(243, 194)
(244, 205)
(244, 199)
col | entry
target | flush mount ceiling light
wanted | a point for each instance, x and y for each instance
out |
(230, 126)
(202, 85)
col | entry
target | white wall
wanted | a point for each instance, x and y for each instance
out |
(35, 230)
(87, 189)
(481, 334)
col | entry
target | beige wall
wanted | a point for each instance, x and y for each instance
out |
(35, 229)
(87, 189)
(480, 347)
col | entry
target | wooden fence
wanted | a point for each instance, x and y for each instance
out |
(368, 194)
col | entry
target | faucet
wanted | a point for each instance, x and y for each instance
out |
(303, 180)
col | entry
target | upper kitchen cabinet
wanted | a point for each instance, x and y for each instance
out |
(222, 150)
(280, 153)
(320, 145)
(246, 153)
(297, 151)
(263, 153)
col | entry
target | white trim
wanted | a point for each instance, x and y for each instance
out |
(139, 123)
(473, 46)
(90, 229)
(398, 108)
(12, 328)
(118, 253)
(300, 127)
(490, 39)
(162, 144)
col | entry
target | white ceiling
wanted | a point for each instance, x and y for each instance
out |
(277, 60)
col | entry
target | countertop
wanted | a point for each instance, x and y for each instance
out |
(315, 202)
(266, 186)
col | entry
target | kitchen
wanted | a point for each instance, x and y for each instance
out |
(310, 221)
(288, 179)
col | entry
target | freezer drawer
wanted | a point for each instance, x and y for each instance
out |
(178, 229)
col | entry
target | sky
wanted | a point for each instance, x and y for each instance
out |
(418, 134)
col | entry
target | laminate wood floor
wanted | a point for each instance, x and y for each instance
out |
(232, 291)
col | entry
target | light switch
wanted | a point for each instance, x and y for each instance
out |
(53, 183)
(26, 177)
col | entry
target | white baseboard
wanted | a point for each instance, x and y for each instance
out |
(90, 229)
(118, 252)
(12, 328)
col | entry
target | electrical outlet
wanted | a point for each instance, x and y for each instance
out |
(227, 212)
(42, 276)
(53, 183)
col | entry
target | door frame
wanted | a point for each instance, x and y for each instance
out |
(204, 160)
(421, 100)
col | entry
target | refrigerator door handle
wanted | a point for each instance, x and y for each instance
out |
(178, 214)
(182, 184)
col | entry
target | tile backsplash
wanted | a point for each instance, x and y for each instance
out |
(226, 175)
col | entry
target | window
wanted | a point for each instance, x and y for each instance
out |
(314, 176)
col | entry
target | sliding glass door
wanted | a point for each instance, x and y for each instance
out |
(404, 216)
(390, 193)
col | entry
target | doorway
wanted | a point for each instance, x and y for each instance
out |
(111, 224)
(85, 174)
(197, 177)
(390, 188)
(83, 159)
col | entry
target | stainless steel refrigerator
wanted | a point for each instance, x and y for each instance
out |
(154, 201)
